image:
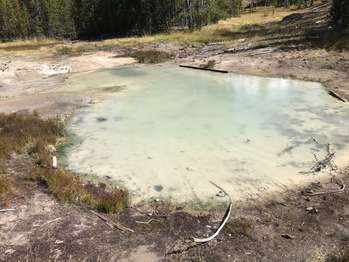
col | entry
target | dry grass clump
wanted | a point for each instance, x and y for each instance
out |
(28, 133)
(20, 132)
(241, 226)
(224, 31)
(151, 56)
(76, 49)
(209, 65)
(69, 188)
(64, 50)
(344, 257)
(5, 185)
(27, 44)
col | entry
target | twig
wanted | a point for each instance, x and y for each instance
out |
(7, 210)
(51, 221)
(225, 219)
(112, 224)
(340, 190)
(323, 163)
(147, 222)
(182, 250)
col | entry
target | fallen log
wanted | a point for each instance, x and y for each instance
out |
(205, 69)
(335, 95)
(7, 210)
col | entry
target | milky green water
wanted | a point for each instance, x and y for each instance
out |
(172, 130)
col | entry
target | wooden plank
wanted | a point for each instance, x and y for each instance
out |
(204, 69)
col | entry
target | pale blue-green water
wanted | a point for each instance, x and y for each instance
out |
(172, 130)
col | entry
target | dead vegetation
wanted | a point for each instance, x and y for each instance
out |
(69, 188)
(210, 64)
(150, 56)
(27, 133)
(21, 132)
(343, 257)
(240, 226)
(5, 185)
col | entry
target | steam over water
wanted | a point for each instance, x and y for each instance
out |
(170, 131)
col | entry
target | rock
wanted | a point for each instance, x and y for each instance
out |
(287, 236)
(312, 210)
(52, 70)
(10, 251)
(54, 162)
(4, 66)
(220, 194)
(51, 148)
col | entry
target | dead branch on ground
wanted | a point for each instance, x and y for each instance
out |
(340, 190)
(147, 222)
(112, 224)
(224, 221)
(322, 164)
(7, 210)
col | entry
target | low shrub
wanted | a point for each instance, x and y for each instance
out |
(69, 188)
(151, 56)
(5, 185)
(209, 65)
(19, 132)
(241, 226)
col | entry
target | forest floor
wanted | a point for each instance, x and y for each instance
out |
(291, 227)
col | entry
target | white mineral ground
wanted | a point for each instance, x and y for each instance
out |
(174, 154)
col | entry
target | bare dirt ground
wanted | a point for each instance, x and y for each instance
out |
(290, 227)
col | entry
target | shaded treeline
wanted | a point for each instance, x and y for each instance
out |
(103, 18)
(340, 13)
(78, 19)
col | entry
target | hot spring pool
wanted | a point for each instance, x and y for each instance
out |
(170, 131)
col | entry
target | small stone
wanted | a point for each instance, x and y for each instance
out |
(158, 188)
(287, 236)
(220, 194)
(51, 148)
(312, 210)
(10, 251)
(101, 119)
